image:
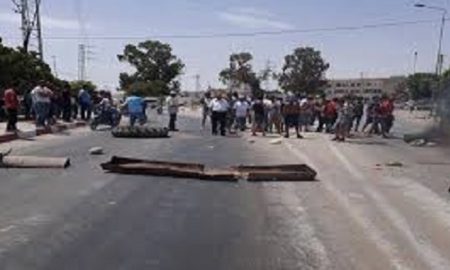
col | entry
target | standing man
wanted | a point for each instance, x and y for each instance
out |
(85, 101)
(291, 114)
(359, 111)
(259, 117)
(66, 103)
(219, 107)
(172, 108)
(241, 108)
(12, 107)
(205, 108)
(28, 104)
(41, 103)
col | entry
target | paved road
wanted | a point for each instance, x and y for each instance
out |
(357, 216)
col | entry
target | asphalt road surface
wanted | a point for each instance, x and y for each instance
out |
(360, 214)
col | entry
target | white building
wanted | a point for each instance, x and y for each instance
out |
(365, 87)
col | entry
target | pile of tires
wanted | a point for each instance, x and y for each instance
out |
(140, 132)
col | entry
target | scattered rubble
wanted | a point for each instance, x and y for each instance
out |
(394, 164)
(96, 151)
(418, 142)
(8, 161)
(297, 172)
(140, 132)
(276, 141)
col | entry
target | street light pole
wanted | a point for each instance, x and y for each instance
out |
(441, 35)
(439, 58)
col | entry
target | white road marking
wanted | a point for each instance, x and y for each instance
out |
(303, 235)
(356, 214)
(429, 202)
(7, 228)
(423, 249)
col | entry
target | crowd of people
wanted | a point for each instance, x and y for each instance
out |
(46, 104)
(232, 113)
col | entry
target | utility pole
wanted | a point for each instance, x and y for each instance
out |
(81, 62)
(268, 69)
(30, 23)
(39, 28)
(197, 83)
(55, 71)
(415, 63)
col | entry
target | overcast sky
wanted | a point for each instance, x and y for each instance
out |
(374, 52)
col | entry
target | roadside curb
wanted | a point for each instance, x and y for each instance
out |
(40, 131)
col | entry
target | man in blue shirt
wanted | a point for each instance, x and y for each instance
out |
(85, 101)
(136, 108)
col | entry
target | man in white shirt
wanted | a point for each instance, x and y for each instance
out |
(206, 112)
(242, 108)
(41, 103)
(172, 108)
(219, 107)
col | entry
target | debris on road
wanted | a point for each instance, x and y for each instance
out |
(8, 161)
(33, 162)
(140, 132)
(394, 164)
(276, 141)
(251, 140)
(297, 172)
(96, 151)
(418, 142)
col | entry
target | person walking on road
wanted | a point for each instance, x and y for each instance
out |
(343, 122)
(172, 107)
(219, 107)
(135, 107)
(12, 107)
(206, 112)
(241, 108)
(41, 103)
(85, 102)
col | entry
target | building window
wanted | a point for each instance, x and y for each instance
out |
(358, 84)
(352, 85)
(338, 84)
(369, 84)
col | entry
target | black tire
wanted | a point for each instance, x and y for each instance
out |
(93, 125)
(140, 132)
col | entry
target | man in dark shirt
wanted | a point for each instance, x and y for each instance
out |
(291, 114)
(358, 113)
(259, 117)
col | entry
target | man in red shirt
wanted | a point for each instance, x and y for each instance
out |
(330, 114)
(12, 107)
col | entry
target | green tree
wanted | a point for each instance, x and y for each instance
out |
(303, 71)
(445, 79)
(22, 70)
(239, 72)
(156, 68)
(421, 85)
(75, 86)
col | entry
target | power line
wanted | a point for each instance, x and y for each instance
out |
(252, 34)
